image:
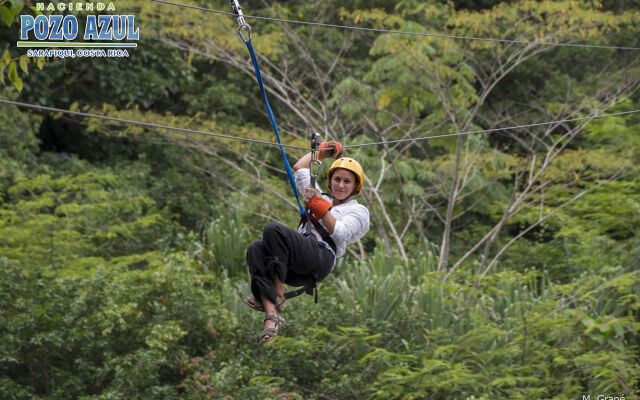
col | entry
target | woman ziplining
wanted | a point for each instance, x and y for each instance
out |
(307, 255)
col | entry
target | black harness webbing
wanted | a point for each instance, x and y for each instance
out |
(310, 287)
(323, 232)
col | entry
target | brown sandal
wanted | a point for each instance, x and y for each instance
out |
(253, 303)
(257, 305)
(271, 332)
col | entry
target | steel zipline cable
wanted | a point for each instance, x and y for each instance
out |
(145, 124)
(436, 35)
(221, 136)
(494, 129)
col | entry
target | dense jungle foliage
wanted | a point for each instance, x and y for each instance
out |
(499, 265)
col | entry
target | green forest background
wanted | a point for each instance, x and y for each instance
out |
(501, 265)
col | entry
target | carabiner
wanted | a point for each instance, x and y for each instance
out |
(314, 175)
(314, 160)
(240, 32)
(242, 24)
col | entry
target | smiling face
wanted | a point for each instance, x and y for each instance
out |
(343, 183)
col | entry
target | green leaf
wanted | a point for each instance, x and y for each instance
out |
(13, 76)
(6, 15)
(405, 169)
(13, 73)
(40, 62)
(24, 64)
(266, 380)
(17, 3)
(36, 11)
(413, 189)
(616, 344)
(17, 7)
(5, 60)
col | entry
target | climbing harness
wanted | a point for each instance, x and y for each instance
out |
(242, 25)
(326, 237)
(308, 217)
(314, 168)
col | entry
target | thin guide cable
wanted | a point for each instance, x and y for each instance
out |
(492, 129)
(436, 35)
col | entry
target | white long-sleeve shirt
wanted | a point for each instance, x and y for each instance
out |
(352, 218)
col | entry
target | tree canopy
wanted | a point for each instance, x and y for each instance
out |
(502, 262)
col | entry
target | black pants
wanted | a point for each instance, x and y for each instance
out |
(296, 259)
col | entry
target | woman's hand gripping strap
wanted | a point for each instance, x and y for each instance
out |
(317, 205)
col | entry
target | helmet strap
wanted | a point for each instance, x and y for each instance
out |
(341, 201)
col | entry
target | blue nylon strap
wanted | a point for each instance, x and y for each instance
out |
(275, 126)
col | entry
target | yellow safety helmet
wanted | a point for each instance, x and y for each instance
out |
(351, 165)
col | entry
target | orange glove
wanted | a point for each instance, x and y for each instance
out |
(309, 192)
(316, 204)
(331, 149)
